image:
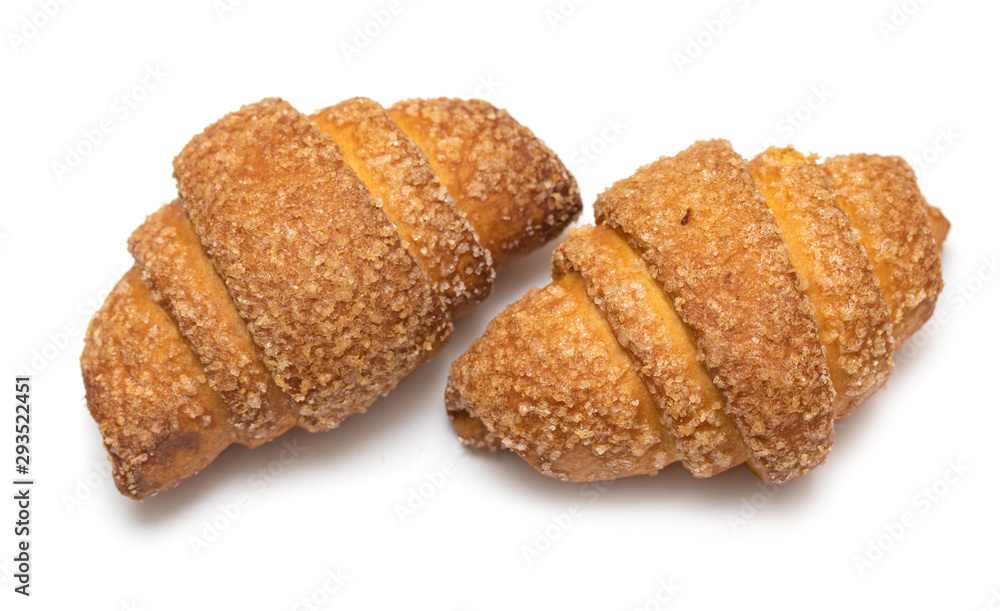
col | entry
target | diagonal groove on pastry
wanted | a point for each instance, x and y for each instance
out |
(434, 231)
(663, 349)
(309, 264)
(747, 303)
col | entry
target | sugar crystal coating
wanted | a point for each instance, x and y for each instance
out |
(183, 281)
(695, 276)
(728, 271)
(882, 201)
(337, 304)
(567, 398)
(834, 273)
(290, 286)
(502, 176)
(149, 393)
(663, 349)
(435, 232)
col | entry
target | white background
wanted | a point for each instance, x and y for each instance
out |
(884, 90)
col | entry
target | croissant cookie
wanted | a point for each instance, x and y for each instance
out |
(308, 265)
(720, 312)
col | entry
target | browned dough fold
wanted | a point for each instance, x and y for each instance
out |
(720, 312)
(309, 264)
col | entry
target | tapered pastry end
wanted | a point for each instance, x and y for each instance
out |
(148, 392)
(515, 191)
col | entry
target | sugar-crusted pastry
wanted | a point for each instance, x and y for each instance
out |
(720, 312)
(307, 266)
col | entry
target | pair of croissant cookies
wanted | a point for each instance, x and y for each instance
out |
(720, 312)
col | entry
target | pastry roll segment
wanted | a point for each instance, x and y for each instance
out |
(149, 393)
(564, 396)
(500, 174)
(834, 273)
(663, 349)
(779, 317)
(883, 203)
(709, 238)
(436, 234)
(289, 286)
(185, 284)
(318, 272)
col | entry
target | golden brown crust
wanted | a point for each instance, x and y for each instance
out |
(435, 232)
(940, 226)
(694, 229)
(469, 427)
(663, 349)
(834, 273)
(884, 204)
(160, 420)
(550, 381)
(279, 293)
(514, 190)
(183, 281)
(709, 238)
(317, 271)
